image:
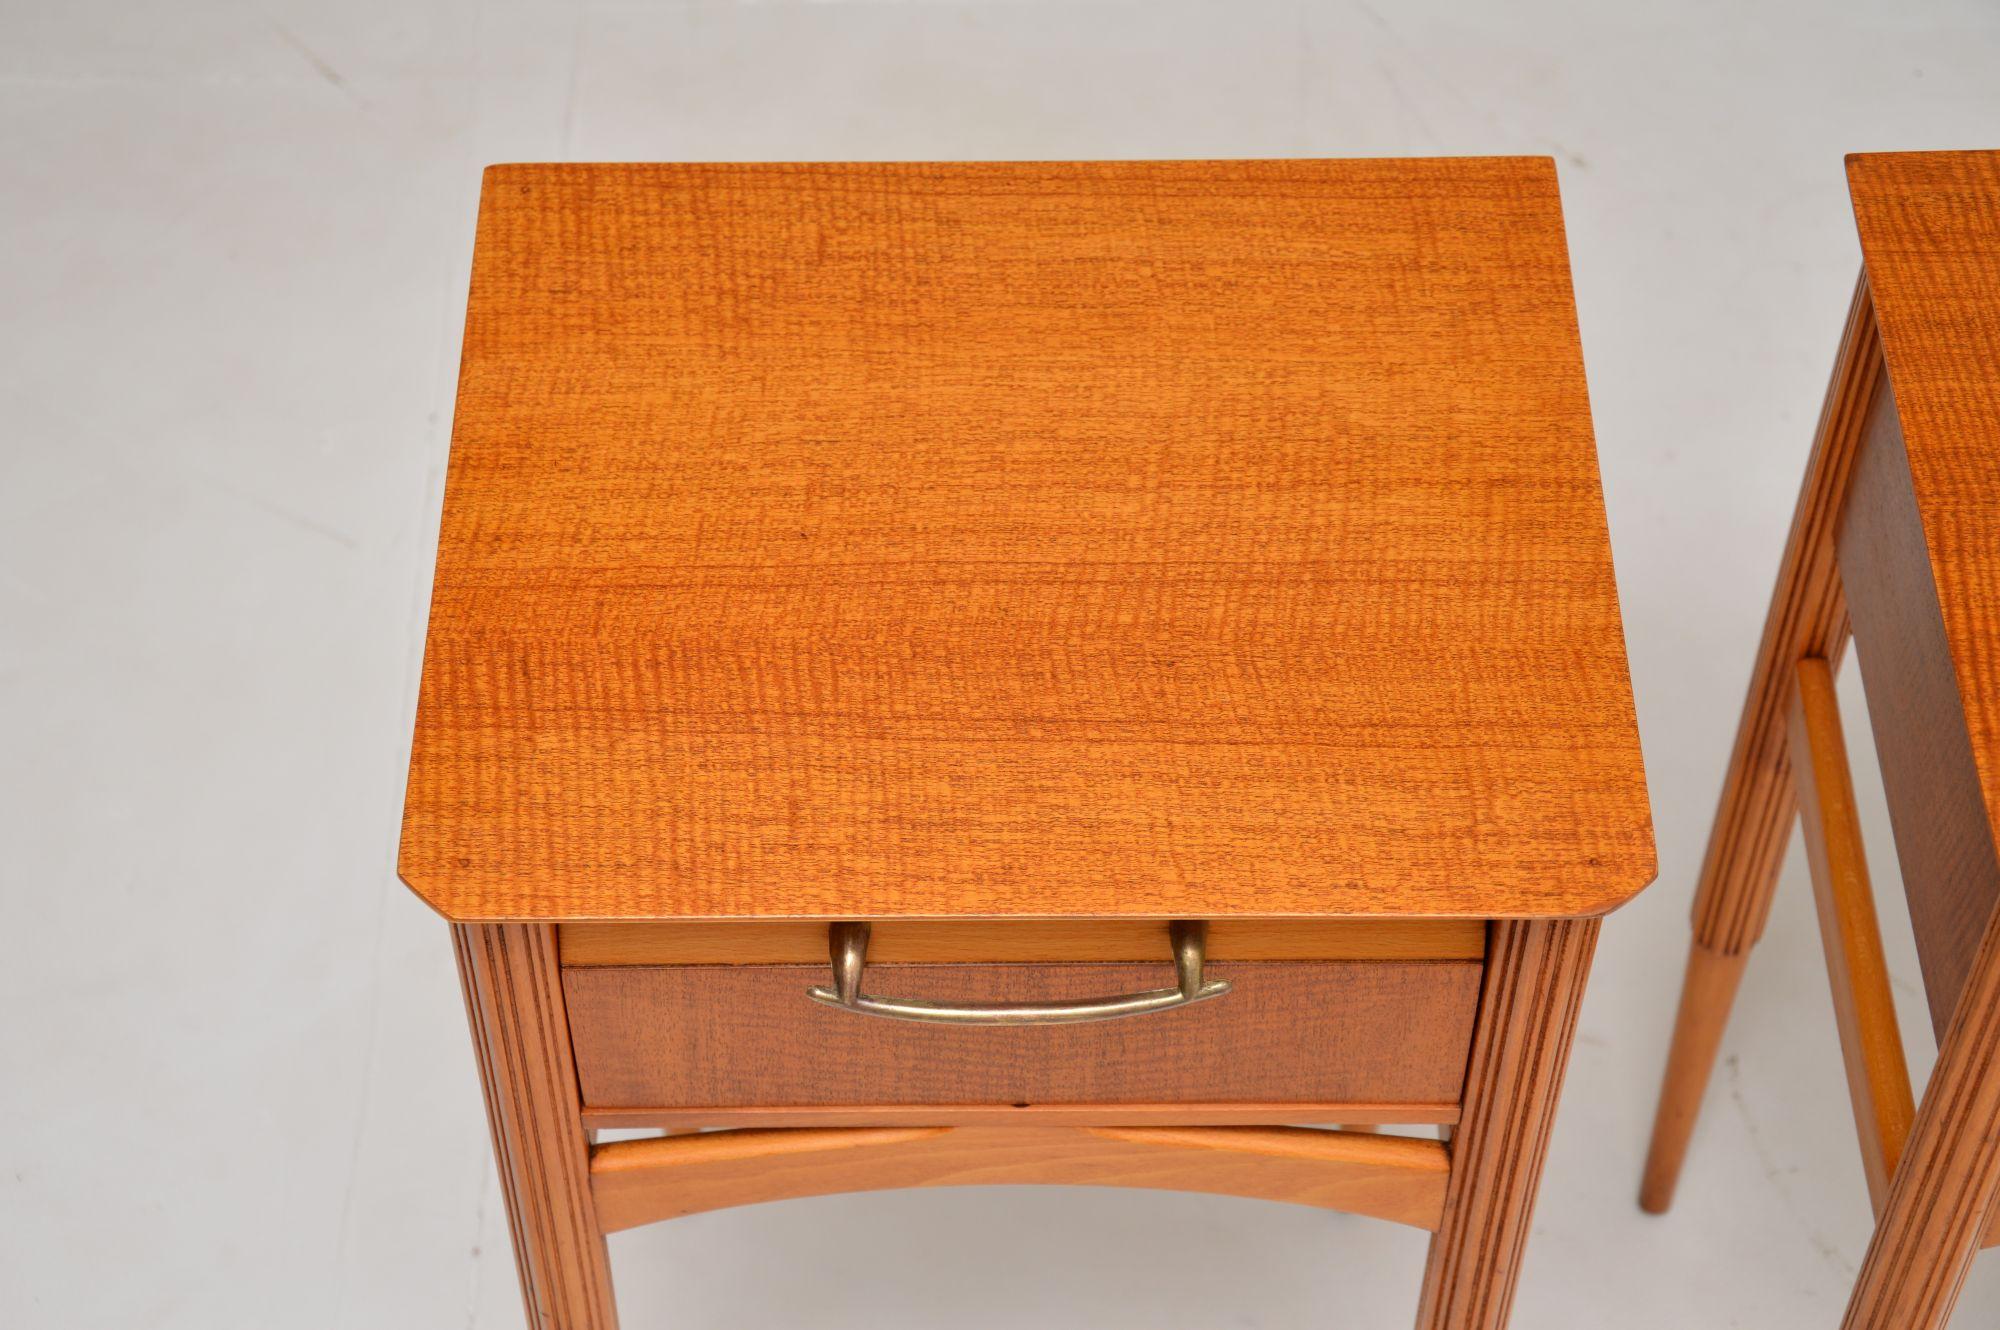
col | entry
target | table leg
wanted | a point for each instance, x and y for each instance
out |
(1708, 991)
(1535, 973)
(1746, 847)
(1943, 1192)
(1746, 850)
(514, 1001)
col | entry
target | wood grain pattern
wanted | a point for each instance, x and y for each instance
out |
(1944, 843)
(1238, 1114)
(1120, 539)
(1878, 1075)
(804, 942)
(746, 1036)
(1943, 1198)
(1527, 1014)
(513, 1000)
(1385, 1177)
(1931, 239)
(1930, 233)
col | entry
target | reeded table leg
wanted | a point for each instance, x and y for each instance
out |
(1745, 852)
(1944, 1189)
(1535, 975)
(1746, 848)
(514, 1001)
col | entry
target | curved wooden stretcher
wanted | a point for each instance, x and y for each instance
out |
(1385, 1177)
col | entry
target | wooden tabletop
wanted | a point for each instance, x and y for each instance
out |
(1163, 539)
(1930, 239)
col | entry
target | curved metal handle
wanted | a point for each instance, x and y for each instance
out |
(848, 944)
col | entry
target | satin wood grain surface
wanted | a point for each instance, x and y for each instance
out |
(1931, 236)
(1096, 539)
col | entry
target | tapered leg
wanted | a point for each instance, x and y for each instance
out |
(513, 999)
(1746, 847)
(1943, 1194)
(1708, 990)
(1535, 973)
(1746, 850)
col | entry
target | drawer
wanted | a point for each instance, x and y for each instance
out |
(1385, 1037)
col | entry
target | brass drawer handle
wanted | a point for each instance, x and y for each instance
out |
(848, 943)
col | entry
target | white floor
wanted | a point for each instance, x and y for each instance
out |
(233, 249)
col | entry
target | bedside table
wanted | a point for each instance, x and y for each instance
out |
(1894, 547)
(1036, 672)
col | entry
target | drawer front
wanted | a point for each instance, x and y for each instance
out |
(746, 1036)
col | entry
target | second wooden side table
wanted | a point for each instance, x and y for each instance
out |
(892, 620)
(1896, 544)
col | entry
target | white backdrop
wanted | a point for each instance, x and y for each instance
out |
(234, 240)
